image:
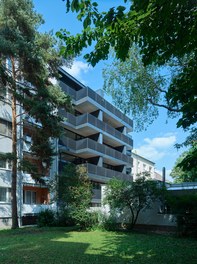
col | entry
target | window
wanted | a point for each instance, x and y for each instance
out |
(5, 195)
(5, 94)
(29, 197)
(5, 164)
(2, 92)
(96, 185)
(138, 166)
(5, 128)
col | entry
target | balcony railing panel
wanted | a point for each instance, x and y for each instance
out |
(97, 98)
(93, 146)
(100, 171)
(90, 119)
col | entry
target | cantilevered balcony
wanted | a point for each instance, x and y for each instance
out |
(107, 173)
(88, 148)
(89, 120)
(86, 92)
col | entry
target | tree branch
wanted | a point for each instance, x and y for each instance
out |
(176, 110)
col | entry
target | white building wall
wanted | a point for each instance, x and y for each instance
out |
(140, 164)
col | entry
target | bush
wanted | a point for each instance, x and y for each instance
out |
(108, 222)
(64, 218)
(46, 218)
(85, 219)
(185, 209)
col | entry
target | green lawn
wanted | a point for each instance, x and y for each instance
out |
(58, 245)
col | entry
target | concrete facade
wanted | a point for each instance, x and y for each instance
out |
(95, 135)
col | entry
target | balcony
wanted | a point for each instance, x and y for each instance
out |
(77, 121)
(35, 208)
(87, 145)
(100, 171)
(87, 92)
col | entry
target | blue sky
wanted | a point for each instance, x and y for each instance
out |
(157, 142)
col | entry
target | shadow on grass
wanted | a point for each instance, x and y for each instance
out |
(59, 246)
(150, 248)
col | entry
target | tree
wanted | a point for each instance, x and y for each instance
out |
(185, 208)
(75, 194)
(27, 60)
(144, 88)
(185, 168)
(165, 32)
(134, 196)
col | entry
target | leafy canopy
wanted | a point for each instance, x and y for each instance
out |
(164, 30)
(185, 168)
(133, 196)
(28, 60)
(74, 192)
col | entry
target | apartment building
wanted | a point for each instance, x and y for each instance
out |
(141, 164)
(95, 134)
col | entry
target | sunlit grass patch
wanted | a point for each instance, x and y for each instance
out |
(59, 245)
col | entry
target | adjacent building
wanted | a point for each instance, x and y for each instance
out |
(141, 164)
(96, 134)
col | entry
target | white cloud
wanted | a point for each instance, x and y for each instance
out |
(156, 148)
(161, 142)
(78, 68)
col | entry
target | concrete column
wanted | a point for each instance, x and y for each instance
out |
(124, 169)
(100, 162)
(100, 115)
(124, 130)
(124, 150)
(100, 138)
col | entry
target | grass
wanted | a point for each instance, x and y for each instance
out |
(59, 245)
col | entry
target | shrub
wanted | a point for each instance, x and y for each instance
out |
(108, 222)
(185, 209)
(64, 218)
(46, 218)
(85, 219)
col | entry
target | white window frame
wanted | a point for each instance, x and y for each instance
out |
(8, 125)
(8, 165)
(8, 194)
(32, 198)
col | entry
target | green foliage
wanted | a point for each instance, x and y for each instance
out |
(165, 32)
(28, 59)
(185, 209)
(108, 222)
(185, 169)
(34, 58)
(134, 196)
(64, 218)
(143, 87)
(46, 218)
(75, 194)
(85, 219)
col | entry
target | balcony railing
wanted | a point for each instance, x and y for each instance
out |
(86, 143)
(92, 120)
(107, 173)
(87, 92)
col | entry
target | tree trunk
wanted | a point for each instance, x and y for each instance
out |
(14, 152)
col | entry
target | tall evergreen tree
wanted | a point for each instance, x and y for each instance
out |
(33, 59)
